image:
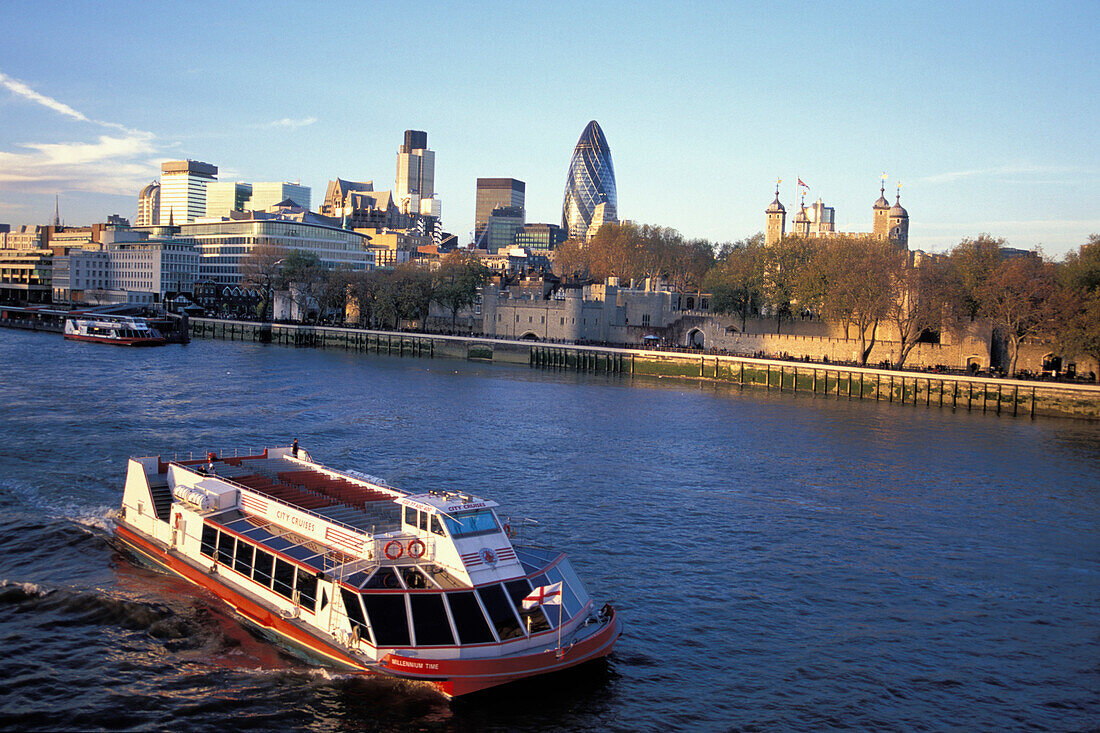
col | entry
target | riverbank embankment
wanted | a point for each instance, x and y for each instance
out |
(1017, 398)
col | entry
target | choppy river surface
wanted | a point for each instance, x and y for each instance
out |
(782, 562)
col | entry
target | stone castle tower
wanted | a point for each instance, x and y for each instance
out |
(776, 227)
(888, 222)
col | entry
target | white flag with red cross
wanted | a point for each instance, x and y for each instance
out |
(544, 595)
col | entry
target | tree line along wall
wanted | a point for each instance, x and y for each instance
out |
(1002, 397)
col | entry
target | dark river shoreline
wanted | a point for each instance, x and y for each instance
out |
(782, 562)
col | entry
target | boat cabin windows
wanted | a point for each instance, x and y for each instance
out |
(284, 578)
(242, 561)
(534, 620)
(384, 578)
(209, 540)
(500, 611)
(262, 570)
(388, 618)
(430, 620)
(225, 548)
(422, 521)
(307, 590)
(355, 613)
(468, 524)
(469, 620)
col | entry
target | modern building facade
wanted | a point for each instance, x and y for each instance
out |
(183, 190)
(149, 206)
(590, 182)
(223, 197)
(540, 236)
(500, 231)
(268, 194)
(224, 246)
(415, 189)
(493, 193)
(130, 267)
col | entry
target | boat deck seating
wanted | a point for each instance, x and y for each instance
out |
(335, 498)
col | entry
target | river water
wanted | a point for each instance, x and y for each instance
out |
(782, 562)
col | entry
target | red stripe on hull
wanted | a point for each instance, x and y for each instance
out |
(452, 677)
(119, 341)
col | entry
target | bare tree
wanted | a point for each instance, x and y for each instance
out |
(261, 270)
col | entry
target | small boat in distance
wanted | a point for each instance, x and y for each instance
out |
(105, 328)
(345, 570)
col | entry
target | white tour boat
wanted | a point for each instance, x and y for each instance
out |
(104, 328)
(353, 573)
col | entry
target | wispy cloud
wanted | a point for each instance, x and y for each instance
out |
(291, 124)
(115, 163)
(110, 165)
(995, 172)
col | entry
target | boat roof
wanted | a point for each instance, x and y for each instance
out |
(446, 502)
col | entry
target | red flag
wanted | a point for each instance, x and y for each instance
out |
(800, 183)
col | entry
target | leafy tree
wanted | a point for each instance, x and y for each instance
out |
(457, 282)
(1019, 299)
(1079, 305)
(917, 298)
(784, 272)
(571, 261)
(736, 282)
(856, 278)
(971, 264)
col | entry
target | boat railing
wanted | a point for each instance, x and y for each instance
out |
(268, 497)
(401, 549)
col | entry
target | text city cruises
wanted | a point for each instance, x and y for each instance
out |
(111, 329)
(356, 574)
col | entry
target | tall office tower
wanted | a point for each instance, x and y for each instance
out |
(416, 175)
(591, 182)
(266, 195)
(493, 193)
(183, 190)
(149, 206)
(223, 197)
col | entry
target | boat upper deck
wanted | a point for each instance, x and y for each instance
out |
(287, 480)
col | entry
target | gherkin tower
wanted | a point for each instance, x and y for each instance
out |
(591, 182)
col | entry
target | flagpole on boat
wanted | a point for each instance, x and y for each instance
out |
(559, 625)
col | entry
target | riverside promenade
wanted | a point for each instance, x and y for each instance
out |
(1005, 397)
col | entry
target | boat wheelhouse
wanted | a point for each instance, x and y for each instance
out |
(105, 328)
(353, 573)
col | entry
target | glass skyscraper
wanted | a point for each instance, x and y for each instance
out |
(591, 182)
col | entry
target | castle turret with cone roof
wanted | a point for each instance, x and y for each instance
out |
(777, 220)
(888, 222)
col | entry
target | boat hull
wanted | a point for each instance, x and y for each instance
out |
(117, 341)
(452, 677)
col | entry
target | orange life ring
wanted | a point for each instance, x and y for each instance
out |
(417, 548)
(178, 516)
(509, 532)
(397, 548)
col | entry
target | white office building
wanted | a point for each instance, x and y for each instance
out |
(183, 190)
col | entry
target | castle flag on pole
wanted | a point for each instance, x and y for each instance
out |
(800, 183)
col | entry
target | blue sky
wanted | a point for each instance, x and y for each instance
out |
(985, 112)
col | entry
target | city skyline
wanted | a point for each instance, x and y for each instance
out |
(987, 118)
